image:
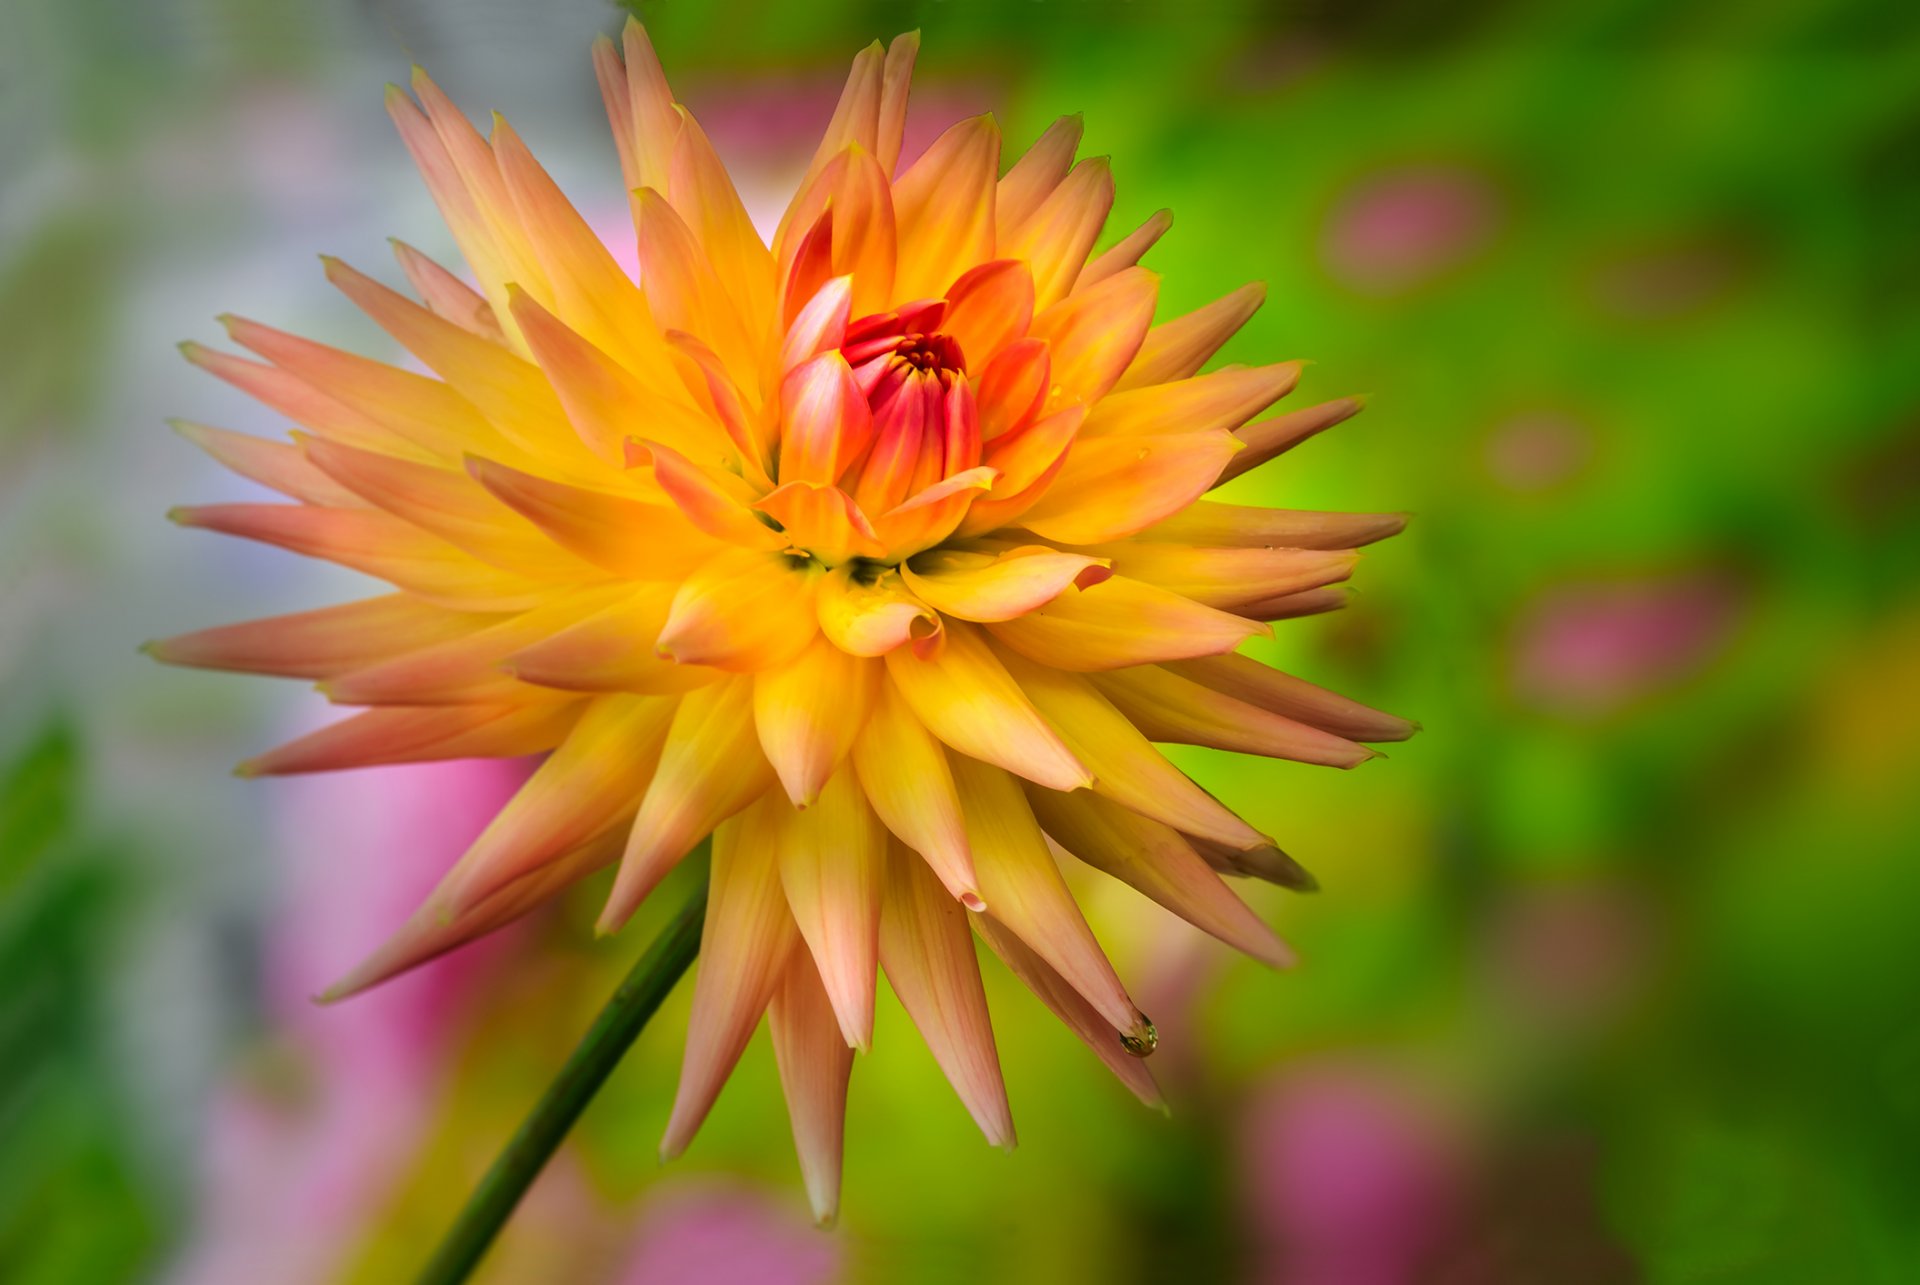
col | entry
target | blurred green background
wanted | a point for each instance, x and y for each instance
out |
(1616, 976)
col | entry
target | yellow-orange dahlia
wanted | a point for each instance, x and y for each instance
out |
(878, 553)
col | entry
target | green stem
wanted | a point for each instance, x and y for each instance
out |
(593, 1059)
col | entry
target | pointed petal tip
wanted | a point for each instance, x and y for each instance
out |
(248, 769)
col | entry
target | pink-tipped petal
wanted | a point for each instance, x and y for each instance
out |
(815, 1064)
(832, 858)
(905, 774)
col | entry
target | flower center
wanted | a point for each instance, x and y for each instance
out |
(925, 426)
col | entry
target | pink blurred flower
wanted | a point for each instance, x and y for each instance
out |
(1588, 649)
(1539, 451)
(1399, 230)
(726, 1234)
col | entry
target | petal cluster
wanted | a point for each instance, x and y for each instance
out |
(876, 549)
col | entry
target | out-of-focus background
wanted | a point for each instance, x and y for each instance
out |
(1616, 976)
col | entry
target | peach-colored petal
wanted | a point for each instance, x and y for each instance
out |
(1020, 881)
(1224, 399)
(1056, 238)
(1120, 622)
(931, 516)
(1228, 578)
(653, 124)
(1074, 1012)
(943, 206)
(1247, 679)
(279, 466)
(376, 543)
(710, 768)
(825, 424)
(1272, 437)
(1012, 387)
(988, 307)
(1114, 486)
(1029, 461)
(1126, 252)
(808, 714)
(744, 949)
(593, 780)
(744, 610)
(447, 295)
(1291, 606)
(1177, 349)
(1205, 522)
(820, 325)
(1264, 862)
(896, 79)
(683, 289)
(1125, 767)
(865, 240)
(615, 532)
(700, 188)
(927, 951)
(965, 697)
(1095, 331)
(1167, 707)
(870, 615)
(1154, 859)
(822, 520)
(713, 500)
(855, 123)
(989, 587)
(706, 377)
(1033, 177)
(612, 650)
(302, 403)
(322, 643)
(814, 1066)
(906, 777)
(832, 863)
(397, 734)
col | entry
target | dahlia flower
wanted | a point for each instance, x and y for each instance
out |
(876, 550)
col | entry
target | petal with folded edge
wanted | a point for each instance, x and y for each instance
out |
(808, 714)
(814, 1065)
(964, 696)
(832, 864)
(928, 953)
(744, 949)
(1121, 622)
(931, 516)
(989, 587)
(906, 777)
(1114, 486)
(710, 768)
(872, 617)
(1020, 880)
(1155, 860)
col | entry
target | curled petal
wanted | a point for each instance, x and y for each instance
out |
(1272, 437)
(964, 696)
(710, 768)
(1247, 679)
(1178, 348)
(872, 617)
(927, 951)
(1120, 622)
(744, 950)
(1224, 399)
(809, 713)
(1114, 486)
(1169, 708)
(985, 587)
(745, 610)
(1154, 859)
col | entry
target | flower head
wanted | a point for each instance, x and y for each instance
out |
(878, 553)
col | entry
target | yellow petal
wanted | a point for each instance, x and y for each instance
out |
(612, 650)
(653, 125)
(1178, 348)
(1114, 486)
(744, 949)
(1126, 252)
(1012, 387)
(823, 521)
(1121, 622)
(1154, 859)
(1036, 174)
(1205, 522)
(1224, 399)
(814, 1065)
(744, 610)
(905, 775)
(1095, 331)
(1228, 578)
(927, 950)
(710, 768)
(989, 307)
(896, 78)
(965, 697)
(989, 587)
(701, 190)
(683, 289)
(1271, 437)
(931, 516)
(943, 205)
(1056, 238)
(713, 500)
(808, 714)
(832, 859)
(614, 532)
(871, 617)
(1020, 881)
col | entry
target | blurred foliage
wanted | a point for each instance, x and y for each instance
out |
(1634, 287)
